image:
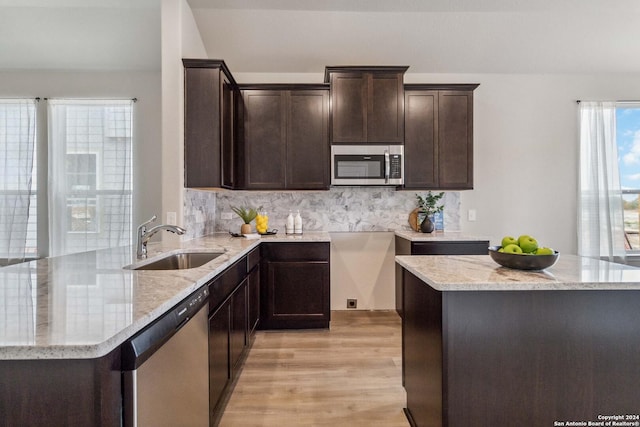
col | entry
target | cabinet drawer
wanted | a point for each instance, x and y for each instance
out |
(450, 248)
(303, 251)
(222, 286)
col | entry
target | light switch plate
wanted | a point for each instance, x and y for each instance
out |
(471, 215)
(171, 218)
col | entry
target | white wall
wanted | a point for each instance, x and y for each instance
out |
(143, 85)
(180, 39)
(363, 268)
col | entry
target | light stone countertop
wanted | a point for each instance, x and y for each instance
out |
(85, 305)
(481, 273)
(437, 236)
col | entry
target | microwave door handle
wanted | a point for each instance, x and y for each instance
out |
(387, 166)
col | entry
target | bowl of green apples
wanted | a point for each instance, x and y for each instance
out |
(523, 253)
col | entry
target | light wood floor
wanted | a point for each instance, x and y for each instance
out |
(349, 375)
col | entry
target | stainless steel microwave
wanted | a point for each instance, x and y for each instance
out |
(367, 165)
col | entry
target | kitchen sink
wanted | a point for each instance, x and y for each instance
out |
(179, 261)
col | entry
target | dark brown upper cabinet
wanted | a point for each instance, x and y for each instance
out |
(285, 137)
(367, 104)
(209, 124)
(439, 136)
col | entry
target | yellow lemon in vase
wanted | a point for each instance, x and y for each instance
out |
(262, 222)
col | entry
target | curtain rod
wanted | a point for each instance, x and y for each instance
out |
(626, 101)
(92, 99)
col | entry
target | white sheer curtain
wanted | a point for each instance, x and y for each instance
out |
(17, 145)
(600, 214)
(90, 174)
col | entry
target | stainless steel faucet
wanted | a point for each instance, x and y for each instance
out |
(144, 235)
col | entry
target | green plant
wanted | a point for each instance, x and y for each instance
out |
(427, 204)
(247, 214)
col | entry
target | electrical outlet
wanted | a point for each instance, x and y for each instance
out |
(171, 218)
(471, 215)
(226, 215)
(352, 303)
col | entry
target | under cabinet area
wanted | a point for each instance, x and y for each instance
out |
(285, 137)
(367, 104)
(295, 285)
(439, 136)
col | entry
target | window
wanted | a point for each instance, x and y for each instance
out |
(628, 142)
(90, 170)
(89, 166)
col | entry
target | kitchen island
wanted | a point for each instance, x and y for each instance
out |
(484, 345)
(65, 318)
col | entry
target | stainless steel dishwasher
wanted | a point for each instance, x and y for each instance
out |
(165, 368)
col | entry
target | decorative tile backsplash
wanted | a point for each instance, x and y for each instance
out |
(199, 213)
(339, 209)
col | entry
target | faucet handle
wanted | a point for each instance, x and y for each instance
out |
(153, 218)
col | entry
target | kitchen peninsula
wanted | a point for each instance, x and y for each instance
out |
(487, 345)
(67, 317)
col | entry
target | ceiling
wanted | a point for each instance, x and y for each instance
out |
(436, 36)
(80, 34)
(302, 36)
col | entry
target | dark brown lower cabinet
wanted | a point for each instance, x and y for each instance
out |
(68, 392)
(238, 329)
(253, 291)
(253, 300)
(295, 285)
(516, 358)
(228, 333)
(219, 366)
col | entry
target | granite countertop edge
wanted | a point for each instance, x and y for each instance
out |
(187, 282)
(480, 273)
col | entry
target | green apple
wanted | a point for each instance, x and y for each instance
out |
(527, 243)
(508, 240)
(545, 251)
(512, 249)
(501, 250)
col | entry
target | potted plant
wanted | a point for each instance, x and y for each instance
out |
(247, 215)
(428, 206)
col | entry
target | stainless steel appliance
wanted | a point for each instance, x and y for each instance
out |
(367, 165)
(166, 365)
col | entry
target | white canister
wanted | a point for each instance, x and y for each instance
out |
(297, 224)
(289, 226)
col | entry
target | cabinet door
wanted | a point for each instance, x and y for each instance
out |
(298, 294)
(228, 134)
(348, 107)
(455, 139)
(219, 368)
(238, 330)
(420, 147)
(264, 133)
(202, 128)
(385, 117)
(253, 299)
(307, 139)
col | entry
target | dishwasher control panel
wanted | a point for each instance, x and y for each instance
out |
(191, 305)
